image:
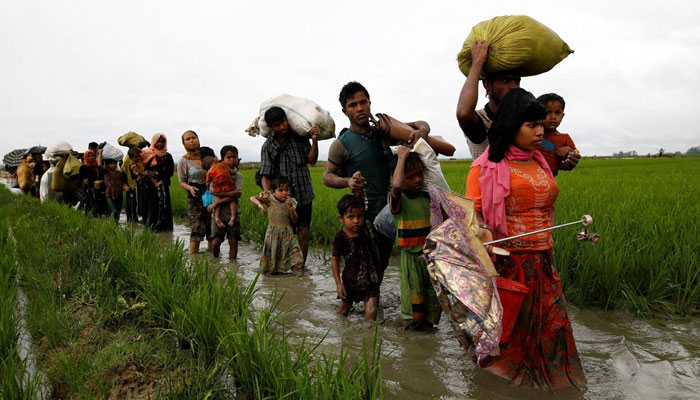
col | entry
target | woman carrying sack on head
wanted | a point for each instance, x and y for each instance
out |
(514, 192)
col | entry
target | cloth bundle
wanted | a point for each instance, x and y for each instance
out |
(301, 114)
(517, 42)
(398, 130)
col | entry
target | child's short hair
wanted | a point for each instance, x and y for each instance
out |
(349, 91)
(278, 181)
(92, 145)
(109, 161)
(207, 151)
(274, 115)
(412, 160)
(350, 202)
(549, 97)
(226, 149)
(207, 161)
(133, 152)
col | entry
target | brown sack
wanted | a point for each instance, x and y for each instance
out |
(398, 130)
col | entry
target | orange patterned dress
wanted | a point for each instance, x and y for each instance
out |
(542, 351)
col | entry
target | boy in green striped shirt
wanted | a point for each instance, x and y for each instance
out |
(410, 206)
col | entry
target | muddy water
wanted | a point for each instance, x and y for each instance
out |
(623, 357)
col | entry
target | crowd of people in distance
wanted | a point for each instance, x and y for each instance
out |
(517, 153)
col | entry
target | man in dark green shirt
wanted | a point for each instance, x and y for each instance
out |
(359, 160)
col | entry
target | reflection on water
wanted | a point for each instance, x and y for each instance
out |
(623, 357)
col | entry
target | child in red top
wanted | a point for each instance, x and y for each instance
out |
(220, 180)
(557, 148)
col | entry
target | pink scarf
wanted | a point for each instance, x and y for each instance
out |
(494, 181)
(151, 154)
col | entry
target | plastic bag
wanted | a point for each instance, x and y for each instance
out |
(110, 152)
(301, 114)
(517, 42)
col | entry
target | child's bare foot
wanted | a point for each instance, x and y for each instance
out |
(220, 223)
(298, 271)
(231, 221)
(343, 309)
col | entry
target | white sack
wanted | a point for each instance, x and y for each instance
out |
(432, 172)
(110, 152)
(301, 114)
(58, 150)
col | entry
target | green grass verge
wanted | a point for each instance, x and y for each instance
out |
(15, 380)
(112, 310)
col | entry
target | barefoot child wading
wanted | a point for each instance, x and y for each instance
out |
(281, 251)
(411, 209)
(359, 280)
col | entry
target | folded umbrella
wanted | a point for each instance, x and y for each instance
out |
(462, 273)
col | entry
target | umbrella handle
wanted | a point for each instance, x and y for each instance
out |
(586, 220)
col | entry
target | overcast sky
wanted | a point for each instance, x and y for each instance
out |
(86, 71)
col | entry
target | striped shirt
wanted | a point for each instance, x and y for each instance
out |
(412, 220)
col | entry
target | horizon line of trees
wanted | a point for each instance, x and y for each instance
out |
(693, 151)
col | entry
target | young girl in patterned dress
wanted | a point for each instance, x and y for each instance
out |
(281, 251)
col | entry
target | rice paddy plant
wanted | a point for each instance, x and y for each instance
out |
(646, 211)
(15, 380)
(95, 264)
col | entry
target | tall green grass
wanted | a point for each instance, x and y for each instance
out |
(15, 379)
(648, 214)
(647, 211)
(104, 299)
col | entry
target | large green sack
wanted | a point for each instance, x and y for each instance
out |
(59, 182)
(66, 174)
(518, 43)
(132, 139)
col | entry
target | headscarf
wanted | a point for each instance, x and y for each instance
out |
(89, 163)
(517, 107)
(151, 154)
(195, 154)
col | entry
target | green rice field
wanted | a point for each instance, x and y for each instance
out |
(646, 210)
(115, 313)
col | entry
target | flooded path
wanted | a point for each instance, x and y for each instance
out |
(623, 357)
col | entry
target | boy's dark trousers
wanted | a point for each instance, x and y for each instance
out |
(115, 206)
(132, 206)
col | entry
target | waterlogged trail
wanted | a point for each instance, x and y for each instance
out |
(623, 357)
